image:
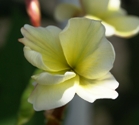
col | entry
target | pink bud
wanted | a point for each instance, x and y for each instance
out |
(33, 10)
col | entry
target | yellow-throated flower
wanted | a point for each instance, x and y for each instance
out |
(74, 60)
(113, 17)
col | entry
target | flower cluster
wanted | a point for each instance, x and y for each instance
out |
(113, 17)
(77, 59)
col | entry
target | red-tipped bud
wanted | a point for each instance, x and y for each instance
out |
(33, 10)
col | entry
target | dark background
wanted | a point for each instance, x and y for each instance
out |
(15, 71)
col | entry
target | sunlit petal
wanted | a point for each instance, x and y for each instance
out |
(45, 97)
(90, 90)
(110, 30)
(86, 49)
(65, 11)
(111, 14)
(46, 42)
(46, 78)
(125, 26)
(98, 63)
(114, 5)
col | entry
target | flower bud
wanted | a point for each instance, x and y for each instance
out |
(33, 10)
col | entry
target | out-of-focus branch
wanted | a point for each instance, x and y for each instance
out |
(54, 117)
(82, 6)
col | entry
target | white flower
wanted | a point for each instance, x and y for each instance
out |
(76, 60)
(113, 17)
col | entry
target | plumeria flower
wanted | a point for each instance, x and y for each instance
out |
(76, 60)
(113, 17)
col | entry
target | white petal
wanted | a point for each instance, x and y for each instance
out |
(101, 8)
(46, 97)
(90, 90)
(110, 30)
(86, 49)
(46, 78)
(46, 42)
(34, 58)
(114, 5)
(125, 26)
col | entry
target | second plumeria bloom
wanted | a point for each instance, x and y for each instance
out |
(113, 17)
(76, 60)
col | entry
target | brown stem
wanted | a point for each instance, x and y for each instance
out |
(54, 117)
(82, 6)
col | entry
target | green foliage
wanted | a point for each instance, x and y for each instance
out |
(15, 71)
(26, 110)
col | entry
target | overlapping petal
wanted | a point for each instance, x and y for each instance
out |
(65, 11)
(110, 30)
(99, 62)
(45, 97)
(104, 10)
(34, 58)
(86, 49)
(125, 26)
(90, 90)
(45, 41)
(46, 78)
(111, 14)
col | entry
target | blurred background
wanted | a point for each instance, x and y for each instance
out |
(15, 71)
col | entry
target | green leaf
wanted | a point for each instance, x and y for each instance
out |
(26, 110)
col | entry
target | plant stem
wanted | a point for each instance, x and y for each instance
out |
(54, 117)
(82, 6)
